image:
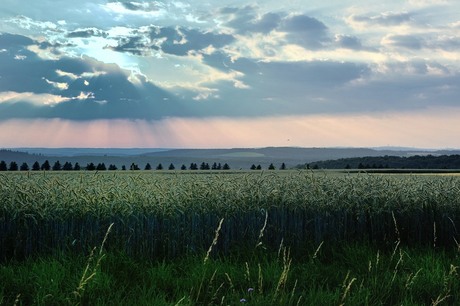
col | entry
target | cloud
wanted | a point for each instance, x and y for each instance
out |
(305, 31)
(384, 19)
(85, 33)
(348, 42)
(247, 20)
(176, 41)
(413, 42)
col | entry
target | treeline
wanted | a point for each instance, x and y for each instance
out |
(389, 162)
(68, 166)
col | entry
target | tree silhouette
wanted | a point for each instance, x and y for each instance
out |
(3, 166)
(171, 167)
(67, 166)
(253, 167)
(226, 167)
(13, 166)
(259, 167)
(159, 167)
(24, 167)
(271, 167)
(101, 167)
(77, 167)
(36, 166)
(283, 166)
(112, 167)
(46, 166)
(183, 167)
(134, 167)
(90, 167)
(57, 166)
(148, 167)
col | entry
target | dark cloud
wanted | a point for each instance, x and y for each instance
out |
(93, 89)
(305, 31)
(349, 42)
(406, 41)
(85, 33)
(247, 20)
(176, 41)
(386, 19)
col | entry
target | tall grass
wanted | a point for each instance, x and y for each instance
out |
(171, 214)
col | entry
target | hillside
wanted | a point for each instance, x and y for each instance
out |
(237, 157)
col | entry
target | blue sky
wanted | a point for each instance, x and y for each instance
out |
(229, 73)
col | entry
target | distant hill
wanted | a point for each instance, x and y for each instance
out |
(236, 157)
(390, 162)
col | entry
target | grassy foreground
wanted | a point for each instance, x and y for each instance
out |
(340, 275)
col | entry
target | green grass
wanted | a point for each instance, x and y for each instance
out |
(351, 274)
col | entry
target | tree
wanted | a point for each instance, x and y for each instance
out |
(283, 166)
(134, 167)
(171, 167)
(57, 166)
(3, 166)
(271, 167)
(214, 166)
(226, 167)
(90, 167)
(101, 167)
(253, 167)
(259, 167)
(36, 166)
(24, 167)
(204, 166)
(148, 167)
(67, 166)
(77, 167)
(183, 167)
(112, 167)
(13, 166)
(123, 167)
(159, 167)
(193, 166)
(46, 166)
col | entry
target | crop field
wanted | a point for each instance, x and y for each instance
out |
(228, 238)
(174, 213)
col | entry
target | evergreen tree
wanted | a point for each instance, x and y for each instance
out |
(214, 166)
(101, 167)
(193, 166)
(46, 166)
(13, 166)
(148, 167)
(3, 166)
(67, 166)
(159, 167)
(112, 167)
(219, 166)
(134, 167)
(183, 167)
(24, 167)
(57, 166)
(253, 167)
(77, 167)
(259, 167)
(271, 167)
(283, 166)
(171, 167)
(90, 167)
(36, 166)
(123, 167)
(226, 167)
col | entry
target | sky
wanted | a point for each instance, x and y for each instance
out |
(222, 74)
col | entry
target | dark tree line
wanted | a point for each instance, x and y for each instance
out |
(68, 166)
(392, 162)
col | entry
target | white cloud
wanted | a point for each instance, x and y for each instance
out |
(57, 85)
(36, 99)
